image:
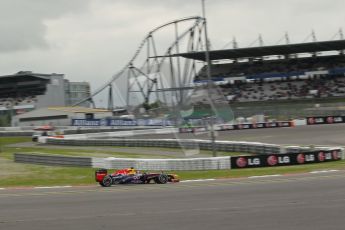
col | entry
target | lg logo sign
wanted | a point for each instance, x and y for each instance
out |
(243, 162)
(274, 160)
(254, 161)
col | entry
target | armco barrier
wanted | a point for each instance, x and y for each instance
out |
(122, 133)
(85, 132)
(227, 146)
(52, 160)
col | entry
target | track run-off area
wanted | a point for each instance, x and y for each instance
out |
(329, 135)
(302, 201)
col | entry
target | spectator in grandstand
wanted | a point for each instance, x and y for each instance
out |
(314, 87)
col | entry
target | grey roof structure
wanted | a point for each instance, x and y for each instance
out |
(252, 52)
(27, 74)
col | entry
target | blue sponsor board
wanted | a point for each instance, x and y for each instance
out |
(121, 122)
(118, 122)
(86, 122)
(154, 122)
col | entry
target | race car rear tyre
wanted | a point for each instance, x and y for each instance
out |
(162, 179)
(107, 181)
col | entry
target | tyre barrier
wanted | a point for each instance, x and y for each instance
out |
(226, 127)
(210, 163)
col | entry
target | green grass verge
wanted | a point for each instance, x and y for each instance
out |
(12, 140)
(18, 174)
(7, 152)
(236, 173)
(37, 175)
(98, 151)
(81, 153)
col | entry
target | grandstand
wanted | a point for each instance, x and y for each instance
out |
(26, 91)
(265, 78)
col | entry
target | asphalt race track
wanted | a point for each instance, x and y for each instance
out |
(333, 135)
(310, 201)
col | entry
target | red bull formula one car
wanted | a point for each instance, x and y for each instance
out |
(131, 176)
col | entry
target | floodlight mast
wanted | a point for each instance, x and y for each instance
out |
(209, 82)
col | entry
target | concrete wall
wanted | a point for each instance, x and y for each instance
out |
(55, 94)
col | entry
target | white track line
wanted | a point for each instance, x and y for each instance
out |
(2, 188)
(324, 171)
(52, 187)
(186, 181)
(264, 176)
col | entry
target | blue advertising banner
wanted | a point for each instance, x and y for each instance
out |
(115, 122)
(121, 122)
(86, 122)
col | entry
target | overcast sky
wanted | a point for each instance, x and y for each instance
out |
(90, 40)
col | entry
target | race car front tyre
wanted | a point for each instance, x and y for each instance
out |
(162, 179)
(107, 181)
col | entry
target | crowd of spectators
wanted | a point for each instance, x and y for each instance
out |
(19, 97)
(282, 78)
(9, 102)
(312, 87)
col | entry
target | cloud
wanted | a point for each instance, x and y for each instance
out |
(22, 22)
